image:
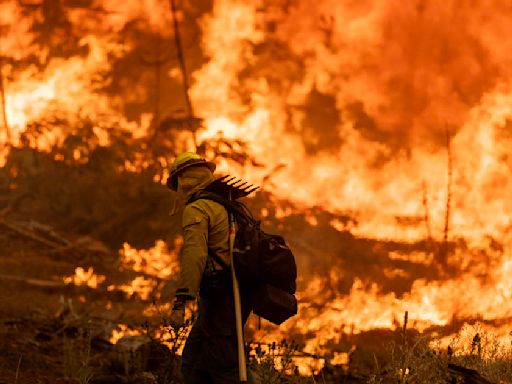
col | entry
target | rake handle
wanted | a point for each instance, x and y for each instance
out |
(242, 367)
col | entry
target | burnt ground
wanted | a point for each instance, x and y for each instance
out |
(38, 332)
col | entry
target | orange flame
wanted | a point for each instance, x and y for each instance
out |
(83, 277)
(158, 261)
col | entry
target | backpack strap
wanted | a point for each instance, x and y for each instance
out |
(239, 210)
(218, 259)
(208, 196)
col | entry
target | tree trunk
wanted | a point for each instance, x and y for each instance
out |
(4, 111)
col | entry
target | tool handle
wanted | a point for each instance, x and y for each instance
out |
(242, 367)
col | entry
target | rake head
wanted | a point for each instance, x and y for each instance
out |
(231, 186)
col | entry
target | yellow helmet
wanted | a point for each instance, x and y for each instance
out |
(185, 160)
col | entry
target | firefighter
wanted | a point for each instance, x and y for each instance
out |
(210, 354)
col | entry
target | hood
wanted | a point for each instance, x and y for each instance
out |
(193, 179)
(190, 180)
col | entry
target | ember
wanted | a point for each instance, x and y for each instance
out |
(82, 277)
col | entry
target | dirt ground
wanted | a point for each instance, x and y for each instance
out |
(42, 319)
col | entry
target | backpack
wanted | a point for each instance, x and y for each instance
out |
(264, 265)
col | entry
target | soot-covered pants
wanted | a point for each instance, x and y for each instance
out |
(210, 354)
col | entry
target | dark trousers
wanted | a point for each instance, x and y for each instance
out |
(209, 359)
(210, 355)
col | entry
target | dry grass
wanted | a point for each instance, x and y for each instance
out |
(423, 360)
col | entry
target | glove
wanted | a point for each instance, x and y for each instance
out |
(177, 316)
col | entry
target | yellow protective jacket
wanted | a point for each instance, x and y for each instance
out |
(205, 229)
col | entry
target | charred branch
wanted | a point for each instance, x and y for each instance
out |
(45, 235)
(466, 375)
(3, 103)
(181, 58)
(443, 254)
(34, 282)
(427, 217)
(157, 60)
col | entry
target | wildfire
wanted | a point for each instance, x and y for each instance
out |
(140, 286)
(157, 264)
(348, 179)
(157, 261)
(365, 173)
(395, 115)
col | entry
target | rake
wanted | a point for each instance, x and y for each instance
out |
(234, 188)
